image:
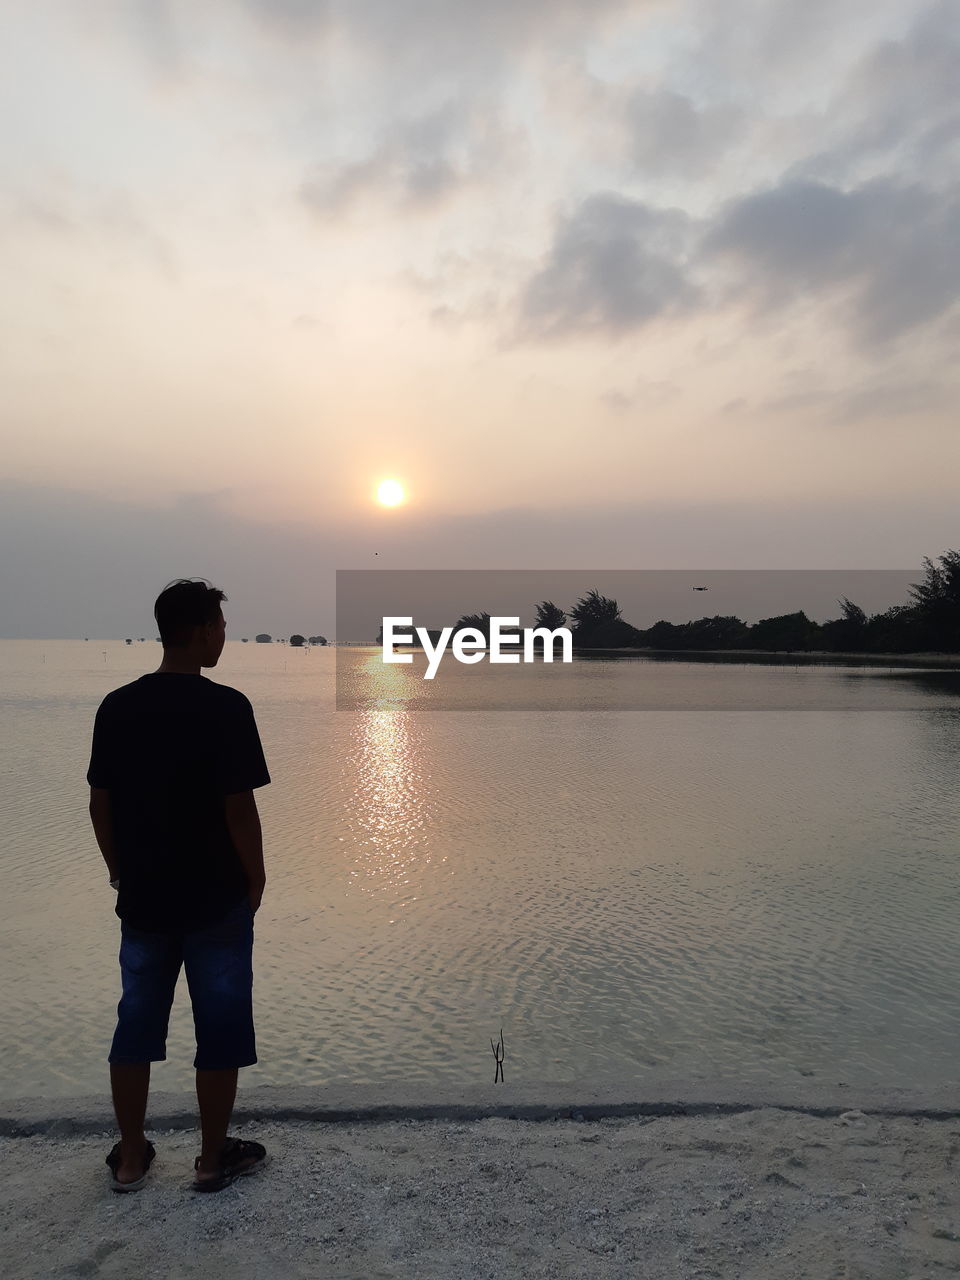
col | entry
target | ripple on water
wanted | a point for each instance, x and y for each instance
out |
(707, 893)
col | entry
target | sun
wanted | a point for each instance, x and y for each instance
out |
(390, 493)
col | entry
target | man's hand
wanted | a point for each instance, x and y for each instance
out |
(101, 817)
(243, 823)
(256, 896)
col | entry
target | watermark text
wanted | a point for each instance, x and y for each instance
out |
(470, 644)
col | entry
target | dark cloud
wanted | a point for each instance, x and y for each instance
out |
(890, 254)
(800, 233)
(615, 265)
(669, 134)
(899, 109)
(885, 255)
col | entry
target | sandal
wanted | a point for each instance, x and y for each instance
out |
(113, 1164)
(237, 1160)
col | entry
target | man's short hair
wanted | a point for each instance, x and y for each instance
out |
(183, 605)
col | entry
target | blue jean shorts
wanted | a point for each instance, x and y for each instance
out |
(219, 967)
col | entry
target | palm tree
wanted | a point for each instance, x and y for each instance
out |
(481, 621)
(852, 613)
(594, 608)
(940, 583)
(936, 602)
(549, 615)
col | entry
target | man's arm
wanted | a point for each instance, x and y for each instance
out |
(243, 823)
(103, 827)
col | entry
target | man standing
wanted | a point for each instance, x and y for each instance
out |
(175, 761)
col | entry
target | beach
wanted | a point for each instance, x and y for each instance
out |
(825, 1186)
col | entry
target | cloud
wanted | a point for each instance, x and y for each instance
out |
(413, 163)
(884, 256)
(668, 133)
(795, 235)
(154, 29)
(615, 264)
(886, 399)
(859, 222)
(877, 399)
(293, 18)
(644, 394)
(111, 224)
(421, 163)
(898, 111)
(410, 41)
(307, 322)
(460, 34)
(801, 402)
(888, 254)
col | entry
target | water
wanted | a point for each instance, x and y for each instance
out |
(717, 894)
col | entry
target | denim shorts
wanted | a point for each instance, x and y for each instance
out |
(219, 967)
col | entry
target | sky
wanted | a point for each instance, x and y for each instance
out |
(603, 283)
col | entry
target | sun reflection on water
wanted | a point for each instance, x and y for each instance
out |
(390, 801)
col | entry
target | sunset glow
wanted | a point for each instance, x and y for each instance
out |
(611, 284)
(390, 493)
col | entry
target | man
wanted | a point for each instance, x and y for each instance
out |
(175, 761)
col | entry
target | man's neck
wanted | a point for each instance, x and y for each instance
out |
(182, 665)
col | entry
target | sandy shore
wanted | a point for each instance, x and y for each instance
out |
(769, 1192)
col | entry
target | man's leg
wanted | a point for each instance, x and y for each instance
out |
(216, 1092)
(219, 968)
(149, 966)
(130, 1084)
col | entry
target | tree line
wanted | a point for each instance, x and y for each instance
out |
(929, 622)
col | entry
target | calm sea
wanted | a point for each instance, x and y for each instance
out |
(764, 891)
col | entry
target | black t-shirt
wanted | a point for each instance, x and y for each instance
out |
(168, 747)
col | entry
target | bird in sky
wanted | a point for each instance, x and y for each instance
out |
(701, 588)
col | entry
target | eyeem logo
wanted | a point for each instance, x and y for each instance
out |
(470, 645)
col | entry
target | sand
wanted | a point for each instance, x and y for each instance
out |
(762, 1193)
